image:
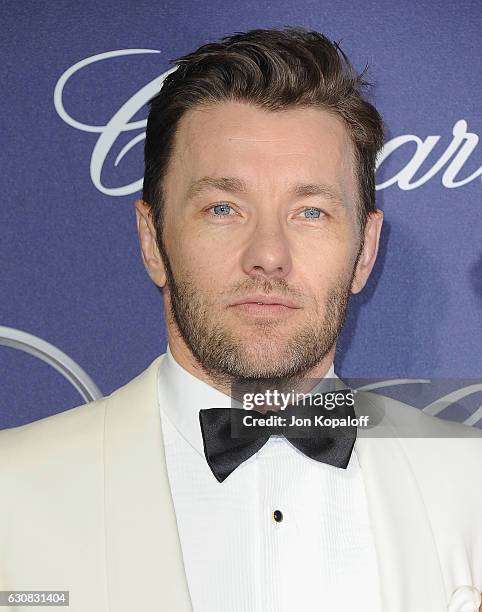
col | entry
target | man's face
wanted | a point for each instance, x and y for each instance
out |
(260, 238)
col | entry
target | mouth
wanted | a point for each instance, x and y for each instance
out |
(260, 304)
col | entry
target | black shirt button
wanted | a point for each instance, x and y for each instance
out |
(278, 516)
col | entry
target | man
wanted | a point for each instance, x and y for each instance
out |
(258, 221)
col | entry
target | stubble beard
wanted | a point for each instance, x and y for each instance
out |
(228, 359)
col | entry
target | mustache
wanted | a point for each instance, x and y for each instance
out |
(266, 286)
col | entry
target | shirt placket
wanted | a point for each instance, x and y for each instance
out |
(272, 516)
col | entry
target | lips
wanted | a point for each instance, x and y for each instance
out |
(266, 300)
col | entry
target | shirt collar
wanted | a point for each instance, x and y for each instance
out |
(182, 396)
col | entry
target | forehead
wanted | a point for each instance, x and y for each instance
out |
(263, 147)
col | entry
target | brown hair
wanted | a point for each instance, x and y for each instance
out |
(274, 69)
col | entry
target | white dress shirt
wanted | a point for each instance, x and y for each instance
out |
(238, 558)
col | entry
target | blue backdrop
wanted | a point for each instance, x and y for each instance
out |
(75, 298)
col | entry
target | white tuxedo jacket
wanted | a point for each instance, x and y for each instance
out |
(85, 507)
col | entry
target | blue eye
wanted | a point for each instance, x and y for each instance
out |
(311, 213)
(221, 210)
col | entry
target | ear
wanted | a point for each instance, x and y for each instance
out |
(146, 231)
(369, 252)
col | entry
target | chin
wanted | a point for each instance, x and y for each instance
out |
(267, 355)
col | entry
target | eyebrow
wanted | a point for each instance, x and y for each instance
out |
(235, 185)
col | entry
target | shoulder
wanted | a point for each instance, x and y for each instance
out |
(53, 438)
(409, 422)
(397, 419)
(77, 433)
(445, 457)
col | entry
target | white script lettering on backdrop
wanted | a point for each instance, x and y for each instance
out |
(453, 159)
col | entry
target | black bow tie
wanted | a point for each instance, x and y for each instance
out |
(227, 445)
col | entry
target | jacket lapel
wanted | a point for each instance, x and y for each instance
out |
(409, 567)
(143, 553)
(144, 562)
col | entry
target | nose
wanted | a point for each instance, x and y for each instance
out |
(267, 251)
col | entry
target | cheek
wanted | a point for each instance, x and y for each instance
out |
(206, 251)
(322, 263)
(207, 268)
